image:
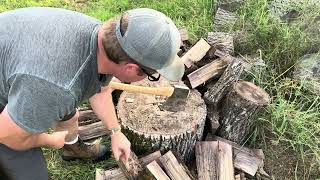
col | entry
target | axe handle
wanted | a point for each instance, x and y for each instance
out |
(160, 91)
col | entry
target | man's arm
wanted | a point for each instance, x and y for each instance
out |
(16, 138)
(102, 105)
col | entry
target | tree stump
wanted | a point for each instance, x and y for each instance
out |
(149, 128)
(238, 108)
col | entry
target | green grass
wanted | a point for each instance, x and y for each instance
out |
(291, 122)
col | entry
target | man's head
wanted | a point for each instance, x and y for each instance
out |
(143, 42)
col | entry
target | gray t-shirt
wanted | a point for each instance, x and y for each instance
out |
(48, 64)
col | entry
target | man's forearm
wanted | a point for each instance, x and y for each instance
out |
(102, 105)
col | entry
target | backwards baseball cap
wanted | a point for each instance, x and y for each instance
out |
(152, 40)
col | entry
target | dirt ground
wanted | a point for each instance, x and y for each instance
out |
(144, 113)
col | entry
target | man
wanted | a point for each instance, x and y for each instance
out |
(52, 59)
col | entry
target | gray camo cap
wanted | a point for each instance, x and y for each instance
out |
(152, 40)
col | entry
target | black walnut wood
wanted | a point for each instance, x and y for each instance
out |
(238, 109)
(209, 71)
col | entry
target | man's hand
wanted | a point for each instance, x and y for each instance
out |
(58, 139)
(120, 146)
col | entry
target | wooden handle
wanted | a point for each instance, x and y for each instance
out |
(161, 91)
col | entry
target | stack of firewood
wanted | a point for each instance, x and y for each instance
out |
(152, 166)
(231, 104)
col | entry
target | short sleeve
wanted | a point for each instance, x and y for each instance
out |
(35, 104)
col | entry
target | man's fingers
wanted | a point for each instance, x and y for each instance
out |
(116, 154)
(127, 153)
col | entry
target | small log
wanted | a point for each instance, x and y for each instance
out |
(93, 130)
(173, 168)
(114, 174)
(222, 42)
(245, 159)
(219, 89)
(224, 20)
(212, 70)
(196, 53)
(238, 109)
(132, 168)
(206, 154)
(149, 158)
(225, 168)
(156, 171)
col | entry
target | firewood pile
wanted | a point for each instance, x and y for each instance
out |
(213, 70)
(231, 103)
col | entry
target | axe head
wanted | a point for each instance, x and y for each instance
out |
(177, 101)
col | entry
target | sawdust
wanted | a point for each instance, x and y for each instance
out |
(141, 112)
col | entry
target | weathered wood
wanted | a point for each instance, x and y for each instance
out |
(114, 174)
(225, 168)
(212, 70)
(93, 130)
(156, 171)
(222, 42)
(245, 159)
(149, 129)
(224, 20)
(132, 168)
(87, 117)
(173, 168)
(149, 158)
(238, 110)
(196, 53)
(206, 155)
(183, 34)
(219, 89)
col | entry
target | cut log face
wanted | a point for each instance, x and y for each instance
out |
(114, 174)
(149, 128)
(206, 154)
(156, 171)
(196, 53)
(174, 169)
(238, 110)
(212, 70)
(225, 163)
(214, 161)
(244, 159)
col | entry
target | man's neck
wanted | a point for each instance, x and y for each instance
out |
(105, 65)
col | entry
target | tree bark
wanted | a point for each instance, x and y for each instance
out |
(224, 20)
(238, 110)
(222, 42)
